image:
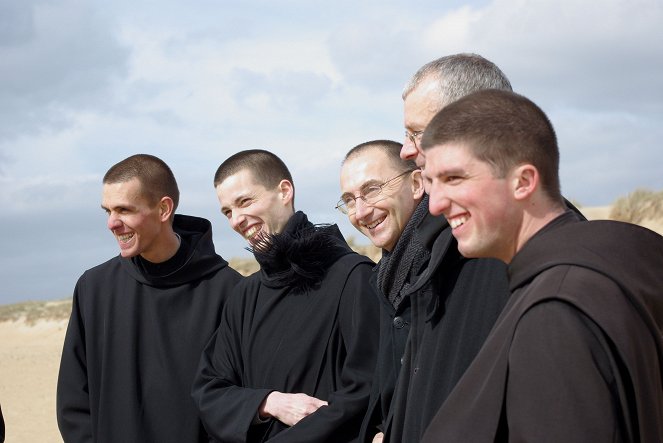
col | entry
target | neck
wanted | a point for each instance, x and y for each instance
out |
(533, 221)
(171, 244)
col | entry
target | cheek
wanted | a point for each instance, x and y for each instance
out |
(354, 222)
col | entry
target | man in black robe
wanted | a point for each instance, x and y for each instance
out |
(577, 353)
(140, 321)
(454, 301)
(293, 357)
(383, 197)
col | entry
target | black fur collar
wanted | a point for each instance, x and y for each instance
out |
(300, 256)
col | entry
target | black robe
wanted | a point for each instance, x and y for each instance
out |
(394, 332)
(319, 340)
(450, 323)
(400, 268)
(134, 341)
(577, 354)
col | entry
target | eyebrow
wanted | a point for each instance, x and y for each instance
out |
(127, 207)
(452, 171)
(238, 199)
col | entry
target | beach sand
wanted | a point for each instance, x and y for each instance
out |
(29, 362)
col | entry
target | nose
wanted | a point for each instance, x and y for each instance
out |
(113, 222)
(409, 150)
(438, 202)
(236, 220)
(362, 209)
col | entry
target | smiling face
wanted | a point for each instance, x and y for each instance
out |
(480, 207)
(384, 220)
(252, 210)
(138, 226)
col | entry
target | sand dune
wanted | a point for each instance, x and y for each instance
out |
(29, 361)
(597, 212)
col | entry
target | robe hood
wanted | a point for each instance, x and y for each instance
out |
(635, 264)
(637, 268)
(201, 260)
(628, 255)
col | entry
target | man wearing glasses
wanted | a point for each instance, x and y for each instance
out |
(455, 301)
(382, 197)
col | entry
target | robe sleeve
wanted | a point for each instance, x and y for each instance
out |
(341, 419)
(560, 378)
(72, 398)
(227, 409)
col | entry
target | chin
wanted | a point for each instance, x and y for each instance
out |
(376, 242)
(468, 252)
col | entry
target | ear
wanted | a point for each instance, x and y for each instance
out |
(525, 179)
(417, 184)
(286, 191)
(166, 207)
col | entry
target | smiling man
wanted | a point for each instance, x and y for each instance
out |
(294, 355)
(140, 321)
(577, 353)
(382, 196)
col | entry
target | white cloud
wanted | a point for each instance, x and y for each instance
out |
(573, 53)
(57, 56)
(85, 85)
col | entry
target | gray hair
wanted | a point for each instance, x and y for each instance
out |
(459, 75)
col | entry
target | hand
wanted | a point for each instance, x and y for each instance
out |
(378, 438)
(289, 408)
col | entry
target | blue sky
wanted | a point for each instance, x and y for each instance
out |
(84, 84)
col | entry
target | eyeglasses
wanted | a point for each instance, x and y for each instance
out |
(370, 195)
(414, 137)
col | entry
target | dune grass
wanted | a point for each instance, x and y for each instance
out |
(33, 311)
(638, 206)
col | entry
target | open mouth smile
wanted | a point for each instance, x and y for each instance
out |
(125, 238)
(252, 232)
(374, 224)
(457, 221)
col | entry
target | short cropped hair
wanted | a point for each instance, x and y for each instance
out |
(155, 177)
(503, 129)
(391, 148)
(267, 169)
(458, 75)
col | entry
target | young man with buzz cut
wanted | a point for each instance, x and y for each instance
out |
(140, 321)
(294, 356)
(577, 353)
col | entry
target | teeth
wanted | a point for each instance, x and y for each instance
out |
(375, 223)
(251, 232)
(456, 222)
(125, 237)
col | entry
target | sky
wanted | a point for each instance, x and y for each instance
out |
(85, 84)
